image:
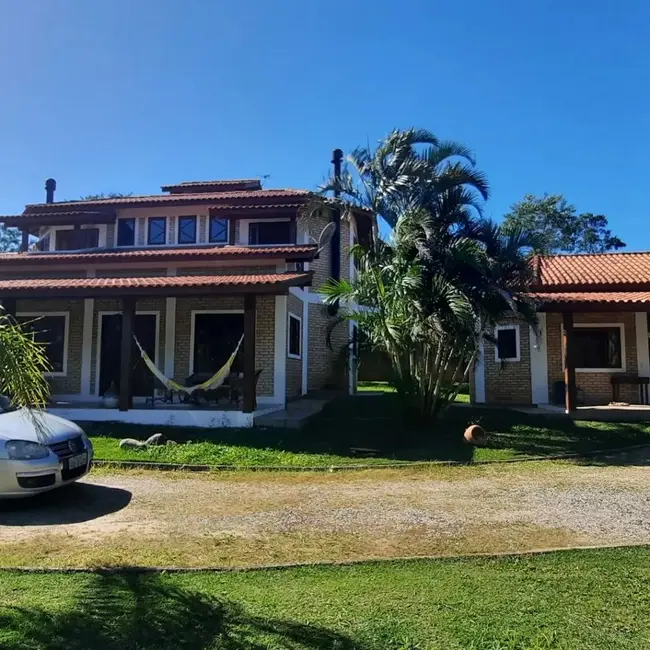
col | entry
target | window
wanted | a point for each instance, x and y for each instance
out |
(51, 330)
(44, 243)
(70, 240)
(295, 324)
(157, 231)
(269, 233)
(507, 343)
(218, 230)
(187, 230)
(599, 348)
(126, 232)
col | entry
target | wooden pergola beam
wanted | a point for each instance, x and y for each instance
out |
(570, 392)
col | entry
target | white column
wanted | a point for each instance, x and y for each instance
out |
(86, 345)
(643, 358)
(280, 359)
(479, 376)
(539, 362)
(305, 346)
(170, 335)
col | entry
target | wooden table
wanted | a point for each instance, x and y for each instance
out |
(630, 380)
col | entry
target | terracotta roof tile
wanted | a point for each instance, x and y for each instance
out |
(295, 197)
(593, 297)
(591, 271)
(219, 185)
(305, 252)
(148, 285)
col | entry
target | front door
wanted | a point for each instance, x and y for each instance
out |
(144, 327)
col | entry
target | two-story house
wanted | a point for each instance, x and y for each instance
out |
(188, 272)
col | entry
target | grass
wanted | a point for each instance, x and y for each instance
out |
(385, 387)
(366, 429)
(586, 600)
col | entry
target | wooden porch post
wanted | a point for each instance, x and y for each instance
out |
(569, 362)
(24, 241)
(249, 354)
(126, 363)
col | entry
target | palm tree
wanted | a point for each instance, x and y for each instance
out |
(22, 364)
(447, 276)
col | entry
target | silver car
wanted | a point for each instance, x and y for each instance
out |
(39, 452)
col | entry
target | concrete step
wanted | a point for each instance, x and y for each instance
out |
(296, 416)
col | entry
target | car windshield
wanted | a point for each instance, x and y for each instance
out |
(6, 405)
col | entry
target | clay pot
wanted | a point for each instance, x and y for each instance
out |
(475, 435)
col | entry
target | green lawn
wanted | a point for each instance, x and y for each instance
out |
(370, 422)
(576, 600)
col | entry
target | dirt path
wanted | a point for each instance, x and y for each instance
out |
(247, 519)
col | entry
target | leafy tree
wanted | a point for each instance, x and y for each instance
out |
(429, 296)
(10, 239)
(559, 228)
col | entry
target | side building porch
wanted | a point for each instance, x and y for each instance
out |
(588, 356)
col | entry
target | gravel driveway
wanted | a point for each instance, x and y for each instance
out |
(158, 518)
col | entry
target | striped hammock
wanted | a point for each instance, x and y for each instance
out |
(210, 384)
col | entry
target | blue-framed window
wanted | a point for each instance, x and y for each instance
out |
(218, 230)
(157, 231)
(126, 232)
(187, 230)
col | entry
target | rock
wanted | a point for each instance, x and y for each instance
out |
(132, 443)
(156, 439)
(475, 435)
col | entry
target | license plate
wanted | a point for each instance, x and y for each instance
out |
(77, 461)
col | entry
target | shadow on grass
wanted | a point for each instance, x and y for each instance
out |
(350, 424)
(72, 504)
(127, 611)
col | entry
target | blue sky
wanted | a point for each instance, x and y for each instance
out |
(126, 95)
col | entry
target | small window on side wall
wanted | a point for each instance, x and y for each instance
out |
(295, 337)
(187, 230)
(218, 231)
(507, 343)
(157, 231)
(126, 232)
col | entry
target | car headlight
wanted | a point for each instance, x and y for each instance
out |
(23, 450)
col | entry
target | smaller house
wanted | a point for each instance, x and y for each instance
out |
(592, 337)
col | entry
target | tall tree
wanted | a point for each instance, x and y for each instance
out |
(447, 276)
(9, 239)
(109, 195)
(559, 227)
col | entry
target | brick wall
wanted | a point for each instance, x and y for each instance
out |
(596, 386)
(294, 366)
(71, 383)
(509, 382)
(265, 334)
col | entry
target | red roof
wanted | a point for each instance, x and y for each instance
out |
(240, 199)
(292, 252)
(586, 298)
(235, 184)
(156, 285)
(590, 271)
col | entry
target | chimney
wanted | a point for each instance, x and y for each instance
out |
(50, 188)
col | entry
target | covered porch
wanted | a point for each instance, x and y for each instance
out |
(596, 351)
(105, 313)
